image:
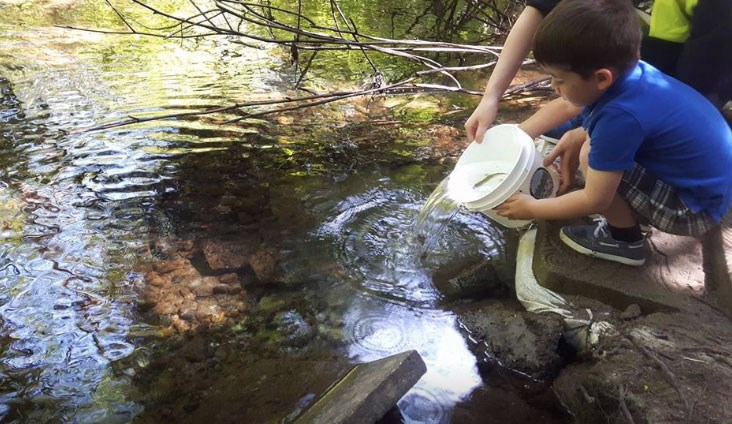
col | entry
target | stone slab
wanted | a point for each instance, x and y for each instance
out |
(669, 281)
(367, 392)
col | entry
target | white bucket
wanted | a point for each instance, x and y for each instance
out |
(505, 163)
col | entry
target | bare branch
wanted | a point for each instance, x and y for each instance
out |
(234, 18)
(119, 15)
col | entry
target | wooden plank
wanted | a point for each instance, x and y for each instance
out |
(367, 392)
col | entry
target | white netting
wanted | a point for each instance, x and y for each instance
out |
(580, 328)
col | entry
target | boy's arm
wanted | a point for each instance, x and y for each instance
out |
(549, 117)
(600, 189)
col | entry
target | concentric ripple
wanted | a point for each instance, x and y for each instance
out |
(377, 335)
(376, 329)
(376, 242)
(422, 406)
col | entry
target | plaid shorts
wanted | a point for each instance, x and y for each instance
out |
(658, 203)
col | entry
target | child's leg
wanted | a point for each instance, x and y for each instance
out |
(660, 204)
(618, 214)
(619, 239)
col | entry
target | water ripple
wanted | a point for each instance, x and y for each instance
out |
(376, 242)
(378, 335)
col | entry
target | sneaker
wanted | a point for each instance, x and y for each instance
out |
(595, 240)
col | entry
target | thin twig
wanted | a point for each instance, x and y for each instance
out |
(665, 370)
(335, 95)
(305, 69)
(147, 34)
(623, 407)
(120, 15)
(521, 87)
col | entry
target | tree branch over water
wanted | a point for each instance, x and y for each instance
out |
(255, 24)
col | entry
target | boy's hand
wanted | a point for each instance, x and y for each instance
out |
(518, 206)
(568, 150)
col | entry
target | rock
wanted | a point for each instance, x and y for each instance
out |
(222, 255)
(631, 312)
(183, 276)
(477, 280)
(229, 279)
(264, 264)
(209, 311)
(671, 274)
(296, 331)
(164, 267)
(203, 287)
(506, 335)
(179, 325)
(165, 308)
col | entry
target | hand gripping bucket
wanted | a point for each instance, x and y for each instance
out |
(505, 163)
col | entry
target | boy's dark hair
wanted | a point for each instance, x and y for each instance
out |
(586, 35)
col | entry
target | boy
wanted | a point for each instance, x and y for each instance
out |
(649, 145)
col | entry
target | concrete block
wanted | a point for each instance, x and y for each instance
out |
(673, 273)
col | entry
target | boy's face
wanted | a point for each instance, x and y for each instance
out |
(577, 90)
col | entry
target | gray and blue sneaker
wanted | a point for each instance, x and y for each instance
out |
(595, 240)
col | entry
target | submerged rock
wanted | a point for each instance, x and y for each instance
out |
(296, 331)
(481, 279)
(177, 295)
(504, 334)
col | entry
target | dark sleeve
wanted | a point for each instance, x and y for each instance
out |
(544, 6)
(662, 54)
(706, 60)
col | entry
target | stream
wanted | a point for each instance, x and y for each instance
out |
(188, 270)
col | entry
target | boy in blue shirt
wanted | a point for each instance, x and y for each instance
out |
(650, 147)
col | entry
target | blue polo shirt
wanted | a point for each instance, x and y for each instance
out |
(649, 118)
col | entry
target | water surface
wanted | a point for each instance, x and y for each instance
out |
(91, 219)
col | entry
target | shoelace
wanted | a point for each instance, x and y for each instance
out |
(601, 227)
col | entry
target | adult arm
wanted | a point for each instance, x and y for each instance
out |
(516, 48)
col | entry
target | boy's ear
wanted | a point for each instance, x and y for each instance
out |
(604, 78)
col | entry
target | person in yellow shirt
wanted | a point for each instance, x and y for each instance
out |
(692, 41)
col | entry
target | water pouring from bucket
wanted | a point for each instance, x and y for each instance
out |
(505, 163)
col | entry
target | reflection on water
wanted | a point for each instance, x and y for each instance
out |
(378, 329)
(381, 235)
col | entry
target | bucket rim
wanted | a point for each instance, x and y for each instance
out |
(517, 140)
(509, 186)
